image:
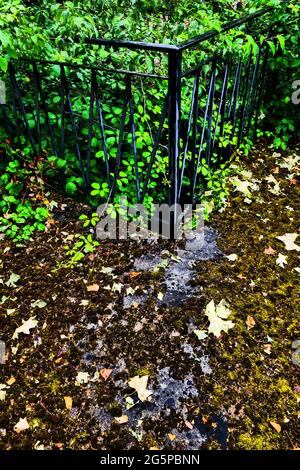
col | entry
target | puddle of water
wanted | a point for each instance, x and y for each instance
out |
(180, 270)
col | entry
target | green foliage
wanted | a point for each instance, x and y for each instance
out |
(77, 250)
(58, 30)
(22, 211)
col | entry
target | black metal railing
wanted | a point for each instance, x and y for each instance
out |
(195, 118)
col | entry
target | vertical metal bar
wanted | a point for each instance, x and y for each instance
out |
(192, 113)
(221, 109)
(90, 128)
(174, 87)
(14, 106)
(155, 145)
(37, 109)
(74, 128)
(62, 112)
(135, 156)
(44, 107)
(101, 124)
(194, 135)
(122, 126)
(22, 108)
(245, 96)
(253, 85)
(210, 116)
(195, 176)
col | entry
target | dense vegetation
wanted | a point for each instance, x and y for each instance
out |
(55, 30)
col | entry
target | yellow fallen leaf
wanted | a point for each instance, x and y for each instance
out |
(92, 288)
(157, 448)
(172, 437)
(11, 381)
(68, 402)
(276, 426)
(122, 419)
(250, 322)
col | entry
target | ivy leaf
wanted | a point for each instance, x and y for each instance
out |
(218, 317)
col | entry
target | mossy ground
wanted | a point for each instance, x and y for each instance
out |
(253, 381)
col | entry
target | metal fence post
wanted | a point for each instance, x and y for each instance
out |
(174, 73)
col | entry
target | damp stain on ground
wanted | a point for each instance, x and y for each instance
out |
(69, 376)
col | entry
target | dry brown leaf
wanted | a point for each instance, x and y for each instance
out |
(241, 276)
(122, 419)
(93, 288)
(267, 348)
(250, 322)
(276, 426)
(68, 402)
(134, 274)
(105, 373)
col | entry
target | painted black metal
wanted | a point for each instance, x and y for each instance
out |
(231, 94)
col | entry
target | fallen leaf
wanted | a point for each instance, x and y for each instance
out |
(289, 240)
(218, 317)
(21, 425)
(134, 274)
(160, 296)
(172, 437)
(140, 386)
(201, 334)
(92, 288)
(269, 251)
(281, 260)
(25, 327)
(232, 257)
(154, 448)
(276, 426)
(38, 303)
(106, 270)
(11, 381)
(250, 322)
(82, 378)
(290, 162)
(122, 419)
(267, 348)
(117, 287)
(241, 276)
(13, 279)
(105, 373)
(84, 303)
(189, 425)
(68, 402)
(3, 388)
